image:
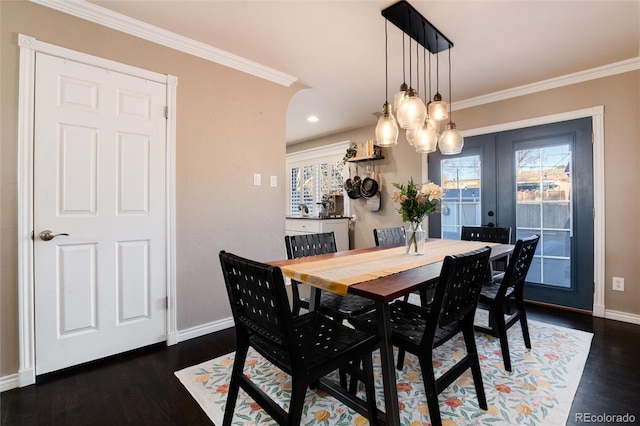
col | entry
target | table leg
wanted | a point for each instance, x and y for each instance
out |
(314, 298)
(388, 364)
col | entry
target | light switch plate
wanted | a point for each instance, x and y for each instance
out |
(256, 179)
(274, 181)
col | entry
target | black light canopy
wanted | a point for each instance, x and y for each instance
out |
(410, 21)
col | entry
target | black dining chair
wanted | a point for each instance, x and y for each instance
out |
(489, 234)
(495, 296)
(331, 304)
(389, 236)
(419, 330)
(307, 347)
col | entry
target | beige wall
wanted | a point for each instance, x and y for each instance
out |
(230, 125)
(620, 96)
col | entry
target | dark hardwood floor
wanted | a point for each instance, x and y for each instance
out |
(139, 388)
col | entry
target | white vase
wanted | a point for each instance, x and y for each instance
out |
(415, 239)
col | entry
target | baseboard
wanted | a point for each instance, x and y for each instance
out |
(622, 316)
(8, 382)
(13, 381)
(204, 329)
(599, 311)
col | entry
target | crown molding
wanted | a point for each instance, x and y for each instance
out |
(108, 18)
(116, 21)
(627, 65)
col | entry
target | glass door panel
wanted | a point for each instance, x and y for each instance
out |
(465, 179)
(462, 201)
(543, 207)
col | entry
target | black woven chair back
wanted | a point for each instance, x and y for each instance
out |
(458, 290)
(519, 263)
(489, 234)
(310, 244)
(389, 236)
(258, 299)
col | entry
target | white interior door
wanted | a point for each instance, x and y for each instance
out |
(99, 176)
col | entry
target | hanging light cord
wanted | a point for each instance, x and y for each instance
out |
(429, 98)
(418, 69)
(450, 97)
(410, 76)
(437, 66)
(404, 71)
(386, 64)
(424, 63)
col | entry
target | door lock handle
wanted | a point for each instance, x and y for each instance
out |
(48, 235)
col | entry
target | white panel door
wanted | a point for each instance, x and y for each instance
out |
(99, 176)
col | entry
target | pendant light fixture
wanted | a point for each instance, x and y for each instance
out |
(426, 138)
(422, 123)
(451, 140)
(387, 128)
(399, 97)
(438, 108)
(412, 111)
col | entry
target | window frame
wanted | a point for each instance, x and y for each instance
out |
(312, 157)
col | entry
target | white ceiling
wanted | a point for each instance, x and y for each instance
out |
(336, 48)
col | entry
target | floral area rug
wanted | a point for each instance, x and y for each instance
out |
(539, 390)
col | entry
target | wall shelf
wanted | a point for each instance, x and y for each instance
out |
(359, 159)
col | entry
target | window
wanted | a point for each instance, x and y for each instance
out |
(313, 173)
(461, 204)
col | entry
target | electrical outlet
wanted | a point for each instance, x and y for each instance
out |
(618, 284)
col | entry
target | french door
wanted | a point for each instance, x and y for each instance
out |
(537, 180)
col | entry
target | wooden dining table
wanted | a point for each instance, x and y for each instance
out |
(381, 274)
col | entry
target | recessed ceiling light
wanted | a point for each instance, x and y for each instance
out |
(312, 119)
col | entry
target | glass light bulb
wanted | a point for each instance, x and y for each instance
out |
(411, 135)
(399, 97)
(438, 108)
(412, 111)
(451, 141)
(387, 128)
(426, 138)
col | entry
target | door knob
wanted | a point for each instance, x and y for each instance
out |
(48, 235)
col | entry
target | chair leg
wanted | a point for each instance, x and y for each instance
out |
(400, 364)
(523, 321)
(501, 330)
(370, 390)
(353, 381)
(430, 389)
(295, 296)
(472, 351)
(343, 376)
(234, 386)
(343, 379)
(296, 405)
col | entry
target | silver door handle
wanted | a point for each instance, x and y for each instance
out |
(48, 235)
